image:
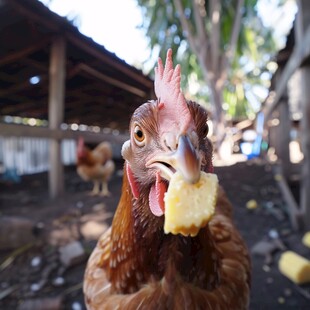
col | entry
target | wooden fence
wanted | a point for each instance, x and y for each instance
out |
(30, 155)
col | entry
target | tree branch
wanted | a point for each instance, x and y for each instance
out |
(215, 12)
(199, 21)
(185, 25)
(235, 32)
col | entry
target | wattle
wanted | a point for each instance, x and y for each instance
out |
(156, 196)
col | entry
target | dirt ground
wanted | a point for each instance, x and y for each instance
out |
(34, 272)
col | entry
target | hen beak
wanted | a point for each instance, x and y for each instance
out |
(184, 159)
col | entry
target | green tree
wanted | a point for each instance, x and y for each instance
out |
(222, 41)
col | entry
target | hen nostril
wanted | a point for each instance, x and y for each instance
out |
(170, 142)
(167, 145)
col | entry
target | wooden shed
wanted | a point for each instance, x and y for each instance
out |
(50, 71)
(294, 58)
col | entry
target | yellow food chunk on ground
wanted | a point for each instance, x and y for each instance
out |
(306, 239)
(251, 204)
(295, 267)
(189, 207)
(278, 177)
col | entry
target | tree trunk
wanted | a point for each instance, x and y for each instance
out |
(219, 116)
(216, 90)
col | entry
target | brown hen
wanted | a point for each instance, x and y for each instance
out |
(135, 265)
(95, 165)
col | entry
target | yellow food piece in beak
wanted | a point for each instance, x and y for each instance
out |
(295, 267)
(189, 207)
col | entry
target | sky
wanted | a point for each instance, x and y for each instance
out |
(111, 23)
(280, 20)
(114, 24)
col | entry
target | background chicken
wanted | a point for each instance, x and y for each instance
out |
(135, 265)
(95, 165)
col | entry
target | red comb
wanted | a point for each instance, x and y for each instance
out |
(168, 82)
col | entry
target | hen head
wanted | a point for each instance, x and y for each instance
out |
(166, 135)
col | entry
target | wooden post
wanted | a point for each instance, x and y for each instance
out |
(304, 18)
(56, 98)
(305, 137)
(284, 137)
(282, 131)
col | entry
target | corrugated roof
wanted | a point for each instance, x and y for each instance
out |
(101, 89)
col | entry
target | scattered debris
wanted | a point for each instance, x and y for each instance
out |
(72, 253)
(36, 261)
(15, 232)
(266, 268)
(247, 188)
(40, 225)
(120, 172)
(4, 285)
(9, 260)
(92, 230)
(73, 288)
(99, 207)
(76, 306)
(63, 235)
(277, 213)
(59, 281)
(274, 210)
(264, 248)
(47, 303)
(286, 232)
(268, 248)
(303, 292)
(35, 287)
(97, 217)
(273, 234)
(80, 204)
(6, 292)
(44, 277)
(287, 292)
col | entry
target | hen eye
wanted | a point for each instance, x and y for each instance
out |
(139, 135)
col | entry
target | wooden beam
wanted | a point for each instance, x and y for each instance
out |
(304, 21)
(107, 79)
(305, 140)
(283, 130)
(17, 55)
(33, 63)
(284, 137)
(22, 106)
(37, 12)
(8, 77)
(293, 210)
(300, 53)
(98, 51)
(13, 130)
(21, 86)
(12, 101)
(56, 100)
(57, 24)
